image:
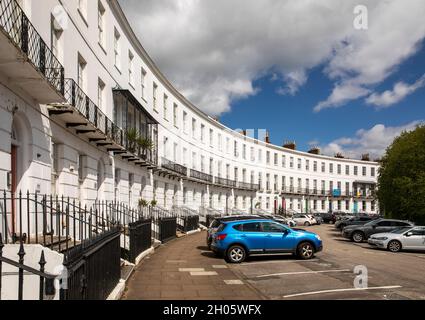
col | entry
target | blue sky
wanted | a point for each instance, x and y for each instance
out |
(293, 118)
(345, 89)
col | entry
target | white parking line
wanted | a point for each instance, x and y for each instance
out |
(277, 261)
(219, 266)
(301, 272)
(191, 269)
(233, 282)
(339, 290)
(204, 273)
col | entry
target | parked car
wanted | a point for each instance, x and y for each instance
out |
(328, 217)
(318, 218)
(363, 232)
(341, 224)
(407, 238)
(303, 220)
(238, 239)
(289, 222)
(313, 219)
(216, 223)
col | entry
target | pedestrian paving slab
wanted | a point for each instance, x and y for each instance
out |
(183, 269)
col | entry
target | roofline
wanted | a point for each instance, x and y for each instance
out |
(125, 25)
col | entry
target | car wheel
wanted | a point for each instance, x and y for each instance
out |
(236, 254)
(305, 250)
(307, 224)
(394, 246)
(358, 237)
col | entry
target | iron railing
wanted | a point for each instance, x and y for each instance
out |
(175, 167)
(93, 268)
(140, 238)
(46, 283)
(248, 186)
(225, 182)
(201, 176)
(76, 97)
(16, 25)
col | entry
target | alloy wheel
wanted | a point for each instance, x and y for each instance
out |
(358, 237)
(394, 246)
(236, 254)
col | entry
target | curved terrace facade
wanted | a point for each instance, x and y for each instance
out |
(87, 114)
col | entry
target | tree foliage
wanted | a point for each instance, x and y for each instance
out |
(401, 191)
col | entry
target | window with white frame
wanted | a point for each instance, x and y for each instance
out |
(165, 107)
(211, 137)
(130, 69)
(100, 94)
(219, 142)
(193, 128)
(82, 8)
(202, 133)
(143, 83)
(81, 72)
(154, 96)
(101, 23)
(117, 49)
(283, 161)
(184, 121)
(175, 115)
(56, 34)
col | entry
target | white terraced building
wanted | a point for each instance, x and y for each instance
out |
(69, 100)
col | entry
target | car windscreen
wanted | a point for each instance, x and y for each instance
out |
(215, 223)
(400, 231)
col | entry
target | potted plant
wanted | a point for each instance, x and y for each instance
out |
(132, 135)
(144, 144)
(143, 203)
(154, 203)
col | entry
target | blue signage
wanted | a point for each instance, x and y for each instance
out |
(336, 192)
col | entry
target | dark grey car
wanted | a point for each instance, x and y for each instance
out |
(361, 233)
(341, 224)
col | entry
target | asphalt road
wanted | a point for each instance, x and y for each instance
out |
(331, 274)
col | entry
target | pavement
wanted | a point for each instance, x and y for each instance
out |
(185, 269)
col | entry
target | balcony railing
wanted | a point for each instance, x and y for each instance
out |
(175, 167)
(77, 98)
(225, 182)
(22, 33)
(201, 176)
(248, 186)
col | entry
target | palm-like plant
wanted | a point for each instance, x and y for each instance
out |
(132, 136)
(144, 144)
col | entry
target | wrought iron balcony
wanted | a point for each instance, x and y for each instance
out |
(201, 176)
(175, 167)
(225, 182)
(81, 113)
(25, 57)
(248, 186)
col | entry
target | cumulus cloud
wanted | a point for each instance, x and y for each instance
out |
(212, 51)
(398, 93)
(373, 141)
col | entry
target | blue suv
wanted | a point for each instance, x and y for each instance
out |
(238, 239)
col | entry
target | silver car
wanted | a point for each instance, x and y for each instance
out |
(408, 238)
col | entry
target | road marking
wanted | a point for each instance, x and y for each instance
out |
(191, 269)
(339, 290)
(233, 282)
(203, 273)
(220, 266)
(280, 261)
(176, 261)
(301, 272)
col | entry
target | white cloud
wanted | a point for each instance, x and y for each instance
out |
(212, 51)
(398, 93)
(373, 141)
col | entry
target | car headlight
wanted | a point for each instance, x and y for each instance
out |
(318, 237)
(381, 238)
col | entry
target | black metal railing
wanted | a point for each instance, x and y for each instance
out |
(93, 268)
(140, 238)
(201, 176)
(248, 186)
(76, 97)
(167, 229)
(46, 283)
(175, 167)
(225, 182)
(190, 223)
(16, 25)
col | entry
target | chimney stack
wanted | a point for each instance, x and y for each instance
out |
(290, 145)
(314, 150)
(267, 138)
(366, 157)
